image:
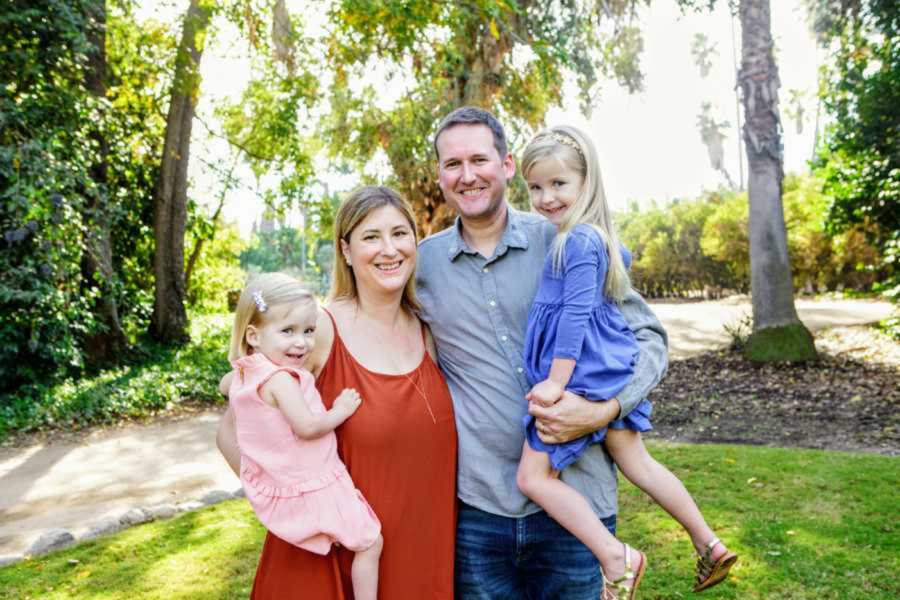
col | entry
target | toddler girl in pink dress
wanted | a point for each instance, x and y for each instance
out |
(290, 470)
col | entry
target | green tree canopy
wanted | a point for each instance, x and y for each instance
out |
(860, 156)
(509, 56)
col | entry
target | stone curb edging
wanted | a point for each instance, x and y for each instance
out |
(57, 539)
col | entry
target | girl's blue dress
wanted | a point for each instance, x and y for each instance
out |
(571, 318)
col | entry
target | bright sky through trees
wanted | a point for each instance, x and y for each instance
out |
(649, 142)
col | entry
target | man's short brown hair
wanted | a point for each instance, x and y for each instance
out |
(472, 115)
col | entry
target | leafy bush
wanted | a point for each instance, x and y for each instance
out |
(726, 239)
(665, 243)
(739, 331)
(277, 250)
(164, 378)
(217, 270)
(703, 244)
(42, 180)
(70, 159)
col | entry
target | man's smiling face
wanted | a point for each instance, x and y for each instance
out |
(471, 174)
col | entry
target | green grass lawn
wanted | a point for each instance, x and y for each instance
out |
(807, 524)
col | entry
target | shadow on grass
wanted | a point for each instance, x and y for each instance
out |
(806, 524)
(202, 554)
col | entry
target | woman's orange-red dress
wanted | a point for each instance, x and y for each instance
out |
(400, 450)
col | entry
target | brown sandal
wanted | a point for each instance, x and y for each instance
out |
(612, 589)
(709, 571)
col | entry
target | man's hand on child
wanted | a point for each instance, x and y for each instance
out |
(572, 417)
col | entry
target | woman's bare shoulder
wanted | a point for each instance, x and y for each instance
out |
(324, 342)
(430, 346)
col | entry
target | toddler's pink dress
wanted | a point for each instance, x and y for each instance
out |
(299, 489)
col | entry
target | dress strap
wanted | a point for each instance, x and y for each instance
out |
(331, 316)
(337, 335)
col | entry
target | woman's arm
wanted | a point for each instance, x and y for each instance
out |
(225, 383)
(324, 341)
(226, 440)
(284, 391)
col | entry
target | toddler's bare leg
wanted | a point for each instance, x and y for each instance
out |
(569, 508)
(631, 456)
(364, 572)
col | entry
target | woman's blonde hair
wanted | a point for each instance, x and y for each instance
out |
(359, 205)
(263, 293)
(572, 148)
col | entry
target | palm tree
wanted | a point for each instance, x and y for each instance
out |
(778, 334)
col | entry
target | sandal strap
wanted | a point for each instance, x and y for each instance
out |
(704, 568)
(708, 548)
(618, 585)
(705, 563)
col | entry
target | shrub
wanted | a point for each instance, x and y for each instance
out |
(161, 379)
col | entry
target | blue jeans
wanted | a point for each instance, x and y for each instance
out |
(531, 557)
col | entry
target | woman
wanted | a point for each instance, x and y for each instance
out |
(400, 445)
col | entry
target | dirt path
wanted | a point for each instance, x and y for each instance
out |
(76, 482)
(696, 327)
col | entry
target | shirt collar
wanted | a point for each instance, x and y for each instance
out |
(513, 236)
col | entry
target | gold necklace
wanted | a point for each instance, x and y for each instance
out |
(424, 397)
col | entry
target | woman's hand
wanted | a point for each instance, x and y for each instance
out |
(546, 393)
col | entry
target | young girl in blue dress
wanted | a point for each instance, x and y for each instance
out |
(578, 340)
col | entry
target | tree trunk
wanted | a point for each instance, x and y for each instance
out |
(778, 334)
(198, 243)
(169, 321)
(477, 84)
(96, 263)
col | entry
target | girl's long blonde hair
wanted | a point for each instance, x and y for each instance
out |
(352, 212)
(263, 293)
(573, 149)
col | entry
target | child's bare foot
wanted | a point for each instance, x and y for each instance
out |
(623, 581)
(713, 563)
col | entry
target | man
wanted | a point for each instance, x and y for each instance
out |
(476, 282)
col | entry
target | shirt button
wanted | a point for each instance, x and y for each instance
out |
(519, 369)
(493, 303)
(485, 270)
(503, 338)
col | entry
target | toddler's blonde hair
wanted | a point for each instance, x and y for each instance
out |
(273, 289)
(572, 148)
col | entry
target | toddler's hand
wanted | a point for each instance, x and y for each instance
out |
(348, 401)
(545, 393)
